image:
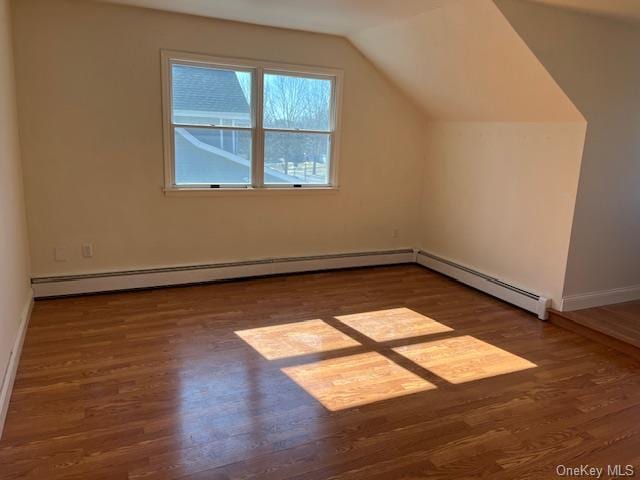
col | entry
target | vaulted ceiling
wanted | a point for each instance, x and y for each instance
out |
(464, 61)
(338, 17)
(457, 59)
(347, 17)
(623, 9)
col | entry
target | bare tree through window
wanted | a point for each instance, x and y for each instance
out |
(299, 109)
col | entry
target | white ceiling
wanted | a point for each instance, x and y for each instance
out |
(625, 9)
(339, 17)
(464, 62)
(347, 17)
(432, 49)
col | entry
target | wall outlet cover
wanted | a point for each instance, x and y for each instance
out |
(87, 250)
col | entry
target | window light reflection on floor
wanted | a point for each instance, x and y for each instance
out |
(463, 359)
(294, 339)
(393, 324)
(356, 380)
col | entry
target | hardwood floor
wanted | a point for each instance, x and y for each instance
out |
(620, 322)
(163, 384)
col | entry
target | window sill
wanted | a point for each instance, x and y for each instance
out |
(251, 192)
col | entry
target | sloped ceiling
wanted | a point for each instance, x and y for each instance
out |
(337, 17)
(457, 59)
(464, 61)
(622, 9)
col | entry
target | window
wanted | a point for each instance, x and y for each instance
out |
(235, 124)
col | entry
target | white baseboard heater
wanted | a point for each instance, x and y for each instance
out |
(158, 277)
(59, 286)
(493, 286)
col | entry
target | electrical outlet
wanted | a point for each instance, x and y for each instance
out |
(395, 233)
(60, 254)
(87, 250)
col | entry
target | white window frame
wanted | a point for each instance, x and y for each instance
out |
(257, 69)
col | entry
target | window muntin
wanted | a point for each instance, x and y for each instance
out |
(248, 124)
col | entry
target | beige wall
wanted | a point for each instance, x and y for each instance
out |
(499, 197)
(503, 147)
(92, 146)
(464, 62)
(597, 62)
(14, 257)
(496, 195)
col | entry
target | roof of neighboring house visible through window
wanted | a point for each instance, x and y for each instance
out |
(207, 90)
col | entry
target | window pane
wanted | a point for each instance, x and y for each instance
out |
(296, 158)
(212, 156)
(211, 96)
(297, 103)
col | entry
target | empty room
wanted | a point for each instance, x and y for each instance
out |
(319, 239)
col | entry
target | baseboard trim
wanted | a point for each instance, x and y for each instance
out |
(600, 298)
(14, 360)
(514, 295)
(60, 286)
(183, 275)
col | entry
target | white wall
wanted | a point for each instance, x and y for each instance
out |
(14, 259)
(503, 146)
(596, 61)
(499, 197)
(92, 146)
(501, 160)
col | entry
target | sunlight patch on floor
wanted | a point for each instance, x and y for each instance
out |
(463, 359)
(356, 380)
(393, 324)
(294, 339)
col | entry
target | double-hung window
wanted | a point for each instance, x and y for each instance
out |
(239, 124)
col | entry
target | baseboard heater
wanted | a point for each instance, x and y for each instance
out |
(493, 286)
(59, 286)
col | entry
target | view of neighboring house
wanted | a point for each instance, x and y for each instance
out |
(210, 98)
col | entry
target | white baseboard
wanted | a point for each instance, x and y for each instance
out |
(509, 293)
(598, 299)
(193, 274)
(131, 280)
(14, 359)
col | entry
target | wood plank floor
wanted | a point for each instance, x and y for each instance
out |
(158, 385)
(620, 321)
